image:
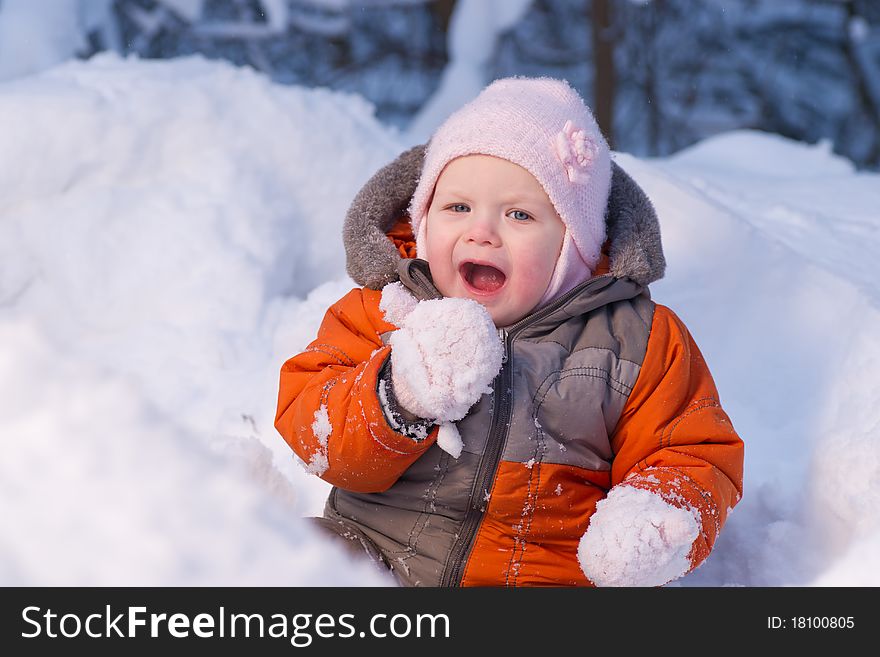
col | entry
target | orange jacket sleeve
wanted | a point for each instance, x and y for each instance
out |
(673, 437)
(328, 406)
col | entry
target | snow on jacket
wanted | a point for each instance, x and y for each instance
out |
(600, 387)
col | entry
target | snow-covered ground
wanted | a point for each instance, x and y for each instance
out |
(170, 234)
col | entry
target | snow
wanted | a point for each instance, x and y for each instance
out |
(37, 34)
(160, 227)
(475, 27)
(858, 29)
(429, 350)
(420, 376)
(170, 234)
(449, 439)
(397, 303)
(635, 538)
(190, 9)
(322, 429)
(416, 371)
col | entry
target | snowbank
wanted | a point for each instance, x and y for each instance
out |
(160, 226)
(170, 234)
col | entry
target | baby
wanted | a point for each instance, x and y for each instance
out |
(501, 403)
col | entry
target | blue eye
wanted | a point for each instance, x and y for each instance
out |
(519, 215)
(458, 205)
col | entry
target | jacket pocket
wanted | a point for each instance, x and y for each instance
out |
(353, 539)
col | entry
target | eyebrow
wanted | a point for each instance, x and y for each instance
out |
(507, 199)
(451, 192)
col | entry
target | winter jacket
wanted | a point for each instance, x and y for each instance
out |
(600, 387)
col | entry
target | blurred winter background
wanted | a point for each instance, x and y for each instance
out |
(173, 178)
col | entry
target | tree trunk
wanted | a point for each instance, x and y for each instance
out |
(862, 87)
(443, 11)
(603, 68)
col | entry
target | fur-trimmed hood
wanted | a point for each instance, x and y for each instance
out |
(372, 260)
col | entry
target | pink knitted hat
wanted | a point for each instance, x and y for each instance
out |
(543, 125)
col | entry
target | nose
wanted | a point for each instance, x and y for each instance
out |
(482, 229)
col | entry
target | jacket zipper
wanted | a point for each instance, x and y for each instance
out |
(502, 335)
(485, 472)
(498, 430)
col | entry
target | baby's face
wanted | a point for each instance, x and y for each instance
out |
(492, 235)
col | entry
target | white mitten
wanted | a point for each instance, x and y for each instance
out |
(636, 538)
(444, 356)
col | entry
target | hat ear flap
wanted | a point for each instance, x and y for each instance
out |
(570, 271)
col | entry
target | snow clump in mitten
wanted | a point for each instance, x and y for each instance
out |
(444, 358)
(397, 302)
(636, 538)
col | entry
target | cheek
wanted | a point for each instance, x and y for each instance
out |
(536, 261)
(534, 274)
(439, 244)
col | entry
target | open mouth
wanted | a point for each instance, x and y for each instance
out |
(481, 277)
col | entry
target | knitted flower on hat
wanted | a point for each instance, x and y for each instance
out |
(542, 125)
(577, 151)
